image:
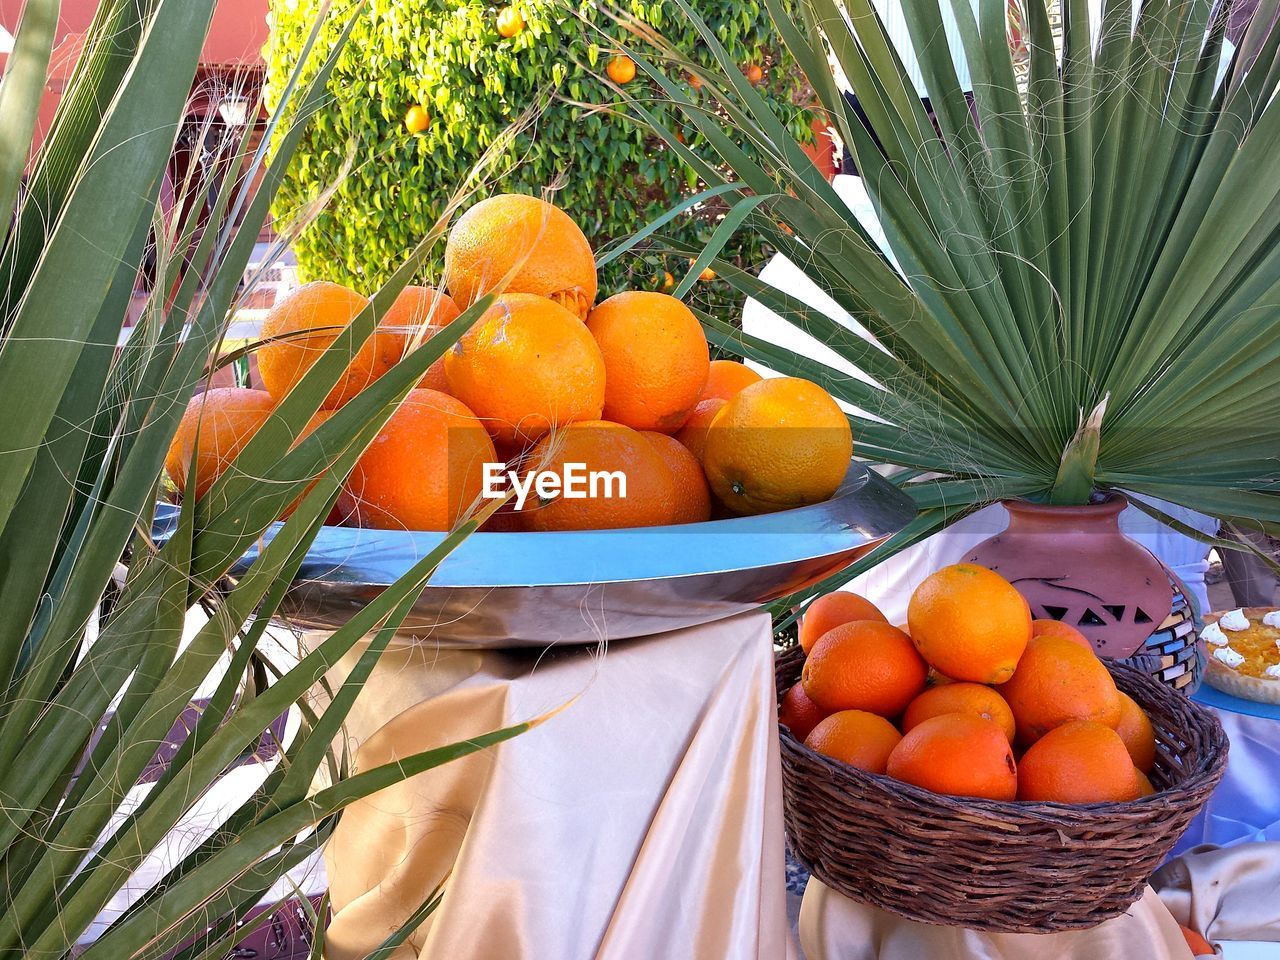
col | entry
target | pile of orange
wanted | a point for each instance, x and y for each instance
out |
(970, 698)
(547, 378)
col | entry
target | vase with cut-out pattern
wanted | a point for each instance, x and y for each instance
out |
(1074, 564)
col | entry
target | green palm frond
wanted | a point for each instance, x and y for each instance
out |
(1081, 283)
(93, 669)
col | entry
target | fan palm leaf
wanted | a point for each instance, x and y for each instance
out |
(1078, 284)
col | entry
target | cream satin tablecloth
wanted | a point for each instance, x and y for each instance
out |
(642, 822)
(1227, 893)
(833, 927)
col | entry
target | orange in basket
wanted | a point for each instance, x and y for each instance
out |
(1056, 628)
(1079, 762)
(970, 623)
(864, 665)
(798, 713)
(1136, 732)
(855, 737)
(831, 610)
(1056, 682)
(957, 754)
(974, 698)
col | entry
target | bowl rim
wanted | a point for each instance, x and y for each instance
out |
(866, 509)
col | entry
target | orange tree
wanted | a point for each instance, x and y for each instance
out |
(451, 60)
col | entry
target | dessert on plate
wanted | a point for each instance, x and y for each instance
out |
(1244, 653)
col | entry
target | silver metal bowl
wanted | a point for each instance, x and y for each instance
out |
(573, 587)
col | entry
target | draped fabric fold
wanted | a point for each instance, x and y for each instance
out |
(833, 927)
(1226, 893)
(644, 820)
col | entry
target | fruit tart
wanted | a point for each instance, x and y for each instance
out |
(1244, 653)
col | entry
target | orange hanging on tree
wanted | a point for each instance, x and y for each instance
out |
(510, 22)
(621, 69)
(416, 119)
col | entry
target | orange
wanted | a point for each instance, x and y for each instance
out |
(974, 698)
(525, 366)
(223, 420)
(754, 74)
(324, 308)
(335, 514)
(510, 22)
(694, 432)
(601, 446)
(1078, 762)
(970, 623)
(655, 357)
(422, 312)
(936, 679)
(778, 444)
(798, 713)
(416, 119)
(548, 252)
(1057, 682)
(1056, 628)
(692, 498)
(425, 468)
(1145, 788)
(855, 737)
(1200, 947)
(863, 665)
(831, 610)
(1136, 732)
(621, 69)
(957, 754)
(726, 379)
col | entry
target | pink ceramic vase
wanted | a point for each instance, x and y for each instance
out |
(1075, 565)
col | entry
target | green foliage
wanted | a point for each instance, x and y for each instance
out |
(448, 56)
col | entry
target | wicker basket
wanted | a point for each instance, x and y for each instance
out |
(989, 865)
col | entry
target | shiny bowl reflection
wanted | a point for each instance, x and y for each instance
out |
(573, 587)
